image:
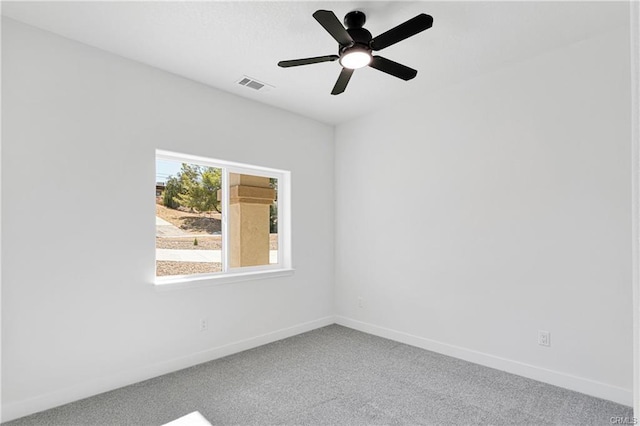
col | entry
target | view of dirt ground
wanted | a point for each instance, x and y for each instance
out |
(201, 232)
(165, 268)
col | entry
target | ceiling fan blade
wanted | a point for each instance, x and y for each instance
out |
(330, 22)
(343, 80)
(307, 61)
(405, 30)
(393, 68)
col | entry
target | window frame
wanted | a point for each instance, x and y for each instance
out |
(283, 267)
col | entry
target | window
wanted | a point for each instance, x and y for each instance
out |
(219, 220)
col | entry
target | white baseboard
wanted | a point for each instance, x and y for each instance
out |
(63, 396)
(578, 384)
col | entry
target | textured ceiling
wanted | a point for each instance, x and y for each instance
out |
(216, 43)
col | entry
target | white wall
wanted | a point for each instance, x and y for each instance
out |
(80, 312)
(635, 179)
(480, 214)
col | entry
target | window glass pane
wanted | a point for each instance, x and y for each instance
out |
(188, 218)
(252, 220)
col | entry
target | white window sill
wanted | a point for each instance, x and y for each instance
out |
(177, 282)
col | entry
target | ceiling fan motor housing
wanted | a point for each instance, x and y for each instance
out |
(361, 37)
(355, 19)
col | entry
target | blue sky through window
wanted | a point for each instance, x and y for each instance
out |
(166, 168)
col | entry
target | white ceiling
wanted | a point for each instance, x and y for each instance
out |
(216, 43)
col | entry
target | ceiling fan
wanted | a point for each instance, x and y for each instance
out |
(355, 45)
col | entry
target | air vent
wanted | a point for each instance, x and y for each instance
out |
(254, 84)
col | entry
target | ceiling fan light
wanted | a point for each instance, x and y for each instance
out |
(355, 59)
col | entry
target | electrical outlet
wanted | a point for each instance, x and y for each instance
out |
(203, 324)
(544, 338)
(360, 302)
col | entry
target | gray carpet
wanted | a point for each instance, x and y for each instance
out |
(337, 376)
